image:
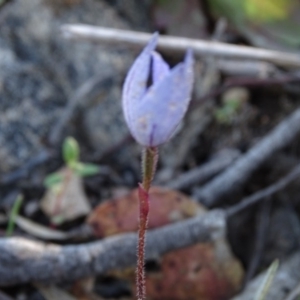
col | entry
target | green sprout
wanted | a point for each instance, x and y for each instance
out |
(58, 182)
(70, 153)
(227, 111)
(265, 286)
(13, 214)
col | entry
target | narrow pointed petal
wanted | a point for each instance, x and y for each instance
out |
(135, 84)
(159, 67)
(188, 64)
(163, 107)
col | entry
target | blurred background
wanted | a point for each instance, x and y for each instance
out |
(53, 86)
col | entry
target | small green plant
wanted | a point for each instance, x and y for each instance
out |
(59, 181)
(265, 286)
(70, 152)
(227, 111)
(13, 214)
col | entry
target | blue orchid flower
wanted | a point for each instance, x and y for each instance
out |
(153, 113)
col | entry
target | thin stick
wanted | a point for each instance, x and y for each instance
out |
(89, 89)
(204, 172)
(294, 293)
(267, 192)
(170, 43)
(245, 82)
(263, 219)
(43, 157)
(23, 260)
(237, 175)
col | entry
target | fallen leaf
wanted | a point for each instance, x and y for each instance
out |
(121, 214)
(67, 201)
(194, 273)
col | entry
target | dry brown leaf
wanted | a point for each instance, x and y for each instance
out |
(121, 214)
(195, 272)
(68, 202)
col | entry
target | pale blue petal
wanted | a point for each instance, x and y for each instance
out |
(159, 67)
(163, 107)
(135, 83)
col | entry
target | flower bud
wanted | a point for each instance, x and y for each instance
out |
(153, 113)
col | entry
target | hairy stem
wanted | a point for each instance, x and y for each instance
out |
(149, 161)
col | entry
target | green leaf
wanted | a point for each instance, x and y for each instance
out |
(266, 23)
(85, 170)
(70, 151)
(265, 286)
(254, 10)
(267, 10)
(12, 216)
(52, 180)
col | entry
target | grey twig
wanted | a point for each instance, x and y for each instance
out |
(249, 68)
(170, 43)
(267, 192)
(23, 260)
(294, 293)
(41, 158)
(246, 82)
(263, 219)
(89, 89)
(204, 172)
(236, 176)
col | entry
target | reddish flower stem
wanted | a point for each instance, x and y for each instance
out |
(149, 161)
(143, 220)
